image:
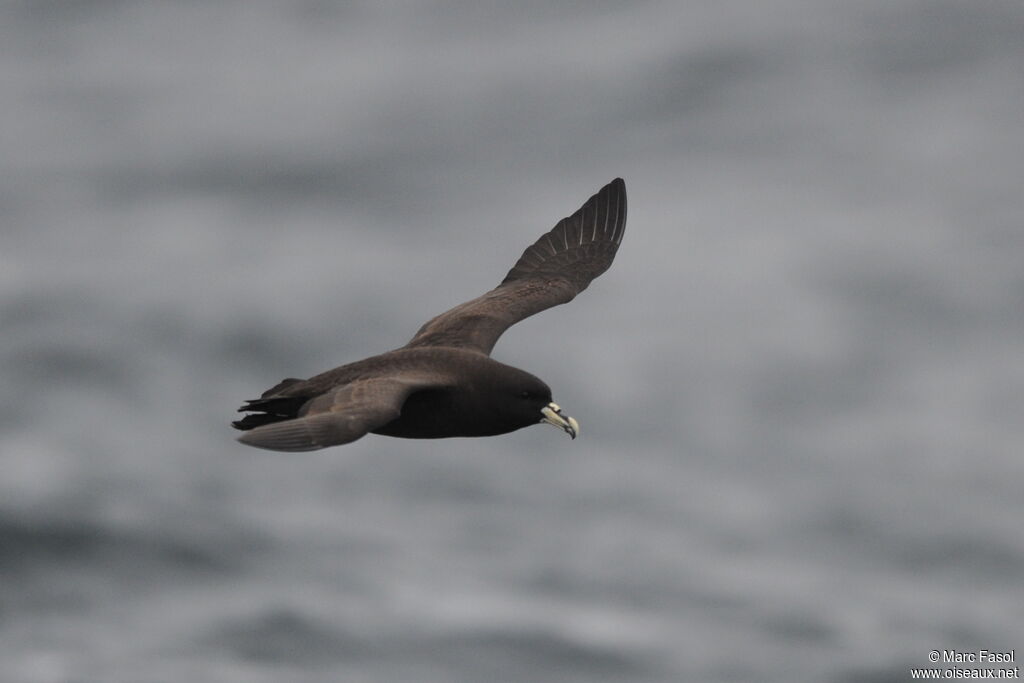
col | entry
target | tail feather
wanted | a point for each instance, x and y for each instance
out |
(269, 409)
(257, 420)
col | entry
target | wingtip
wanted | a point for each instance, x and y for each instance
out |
(290, 437)
(616, 189)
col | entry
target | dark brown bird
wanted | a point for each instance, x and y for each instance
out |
(443, 382)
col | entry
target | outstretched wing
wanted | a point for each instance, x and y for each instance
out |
(338, 416)
(552, 271)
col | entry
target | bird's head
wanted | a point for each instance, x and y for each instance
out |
(528, 400)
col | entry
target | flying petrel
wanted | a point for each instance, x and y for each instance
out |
(443, 382)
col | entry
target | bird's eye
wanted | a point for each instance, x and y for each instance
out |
(524, 394)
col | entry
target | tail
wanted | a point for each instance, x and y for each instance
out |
(268, 408)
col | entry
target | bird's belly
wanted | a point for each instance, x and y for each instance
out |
(435, 415)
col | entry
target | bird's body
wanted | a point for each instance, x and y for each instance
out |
(443, 383)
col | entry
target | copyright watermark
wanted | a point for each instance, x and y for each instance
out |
(972, 664)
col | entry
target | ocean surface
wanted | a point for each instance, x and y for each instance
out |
(801, 384)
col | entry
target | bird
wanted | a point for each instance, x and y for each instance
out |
(443, 382)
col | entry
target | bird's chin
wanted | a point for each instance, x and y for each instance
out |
(553, 416)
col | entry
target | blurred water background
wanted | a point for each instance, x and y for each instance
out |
(801, 384)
